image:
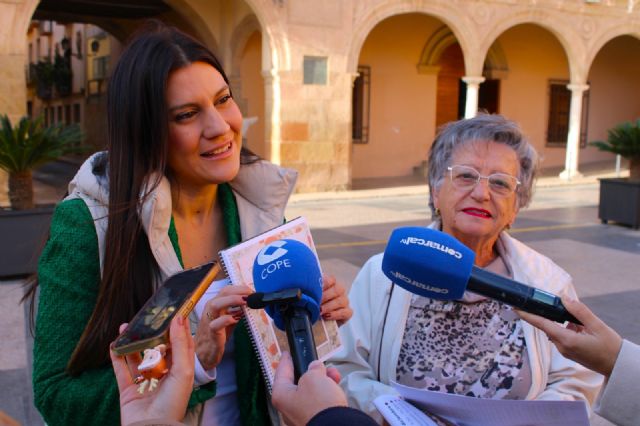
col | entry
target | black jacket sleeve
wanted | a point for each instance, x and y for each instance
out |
(341, 416)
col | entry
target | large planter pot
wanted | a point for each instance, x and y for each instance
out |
(620, 201)
(23, 234)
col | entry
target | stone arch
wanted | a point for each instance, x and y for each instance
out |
(375, 15)
(248, 83)
(267, 15)
(496, 60)
(437, 43)
(13, 90)
(184, 9)
(571, 43)
(278, 56)
(239, 38)
(610, 84)
(13, 41)
(605, 37)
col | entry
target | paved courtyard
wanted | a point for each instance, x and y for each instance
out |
(349, 227)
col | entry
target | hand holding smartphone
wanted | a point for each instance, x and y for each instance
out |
(177, 295)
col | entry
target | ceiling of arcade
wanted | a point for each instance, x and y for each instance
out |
(223, 25)
(118, 18)
(61, 9)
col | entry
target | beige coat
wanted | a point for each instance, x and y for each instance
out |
(261, 189)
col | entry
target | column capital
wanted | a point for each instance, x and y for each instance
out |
(473, 80)
(577, 87)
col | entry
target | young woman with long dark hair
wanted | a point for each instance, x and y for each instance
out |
(174, 187)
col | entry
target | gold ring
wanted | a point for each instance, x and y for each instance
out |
(209, 316)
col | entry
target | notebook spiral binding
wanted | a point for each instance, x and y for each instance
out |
(253, 331)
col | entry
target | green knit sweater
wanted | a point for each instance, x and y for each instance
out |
(69, 275)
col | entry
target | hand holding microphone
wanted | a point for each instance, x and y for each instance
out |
(288, 284)
(594, 344)
(433, 264)
(316, 391)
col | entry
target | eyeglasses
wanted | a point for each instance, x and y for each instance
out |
(465, 177)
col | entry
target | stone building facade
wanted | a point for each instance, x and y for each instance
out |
(350, 89)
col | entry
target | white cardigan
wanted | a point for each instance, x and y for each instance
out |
(553, 376)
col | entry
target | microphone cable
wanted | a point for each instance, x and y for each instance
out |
(384, 325)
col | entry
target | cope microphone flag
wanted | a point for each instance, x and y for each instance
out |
(288, 284)
(433, 264)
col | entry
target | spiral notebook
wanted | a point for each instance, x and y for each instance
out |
(269, 342)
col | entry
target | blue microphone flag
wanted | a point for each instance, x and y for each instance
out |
(286, 264)
(414, 253)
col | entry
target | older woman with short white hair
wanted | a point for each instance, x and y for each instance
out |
(481, 172)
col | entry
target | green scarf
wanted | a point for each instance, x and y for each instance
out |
(252, 393)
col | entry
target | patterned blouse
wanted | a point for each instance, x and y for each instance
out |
(473, 347)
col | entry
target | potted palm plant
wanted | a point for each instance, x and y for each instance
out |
(620, 197)
(23, 147)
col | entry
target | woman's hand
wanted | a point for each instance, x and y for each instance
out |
(217, 323)
(169, 400)
(316, 390)
(594, 344)
(335, 303)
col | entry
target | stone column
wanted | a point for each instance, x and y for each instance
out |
(573, 137)
(473, 87)
(14, 17)
(272, 121)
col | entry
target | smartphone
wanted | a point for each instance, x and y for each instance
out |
(177, 295)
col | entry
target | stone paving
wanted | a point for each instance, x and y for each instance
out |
(349, 227)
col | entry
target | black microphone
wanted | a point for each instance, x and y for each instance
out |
(287, 276)
(260, 300)
(433, 264)
(521, 296)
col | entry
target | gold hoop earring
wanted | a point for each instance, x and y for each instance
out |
(437, 212)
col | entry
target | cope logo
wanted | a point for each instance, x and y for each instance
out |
(273, 251)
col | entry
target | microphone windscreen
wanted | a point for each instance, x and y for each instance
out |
(287, 264)
(427, 262)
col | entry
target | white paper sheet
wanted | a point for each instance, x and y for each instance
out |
(468, 411)
(398, 412)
